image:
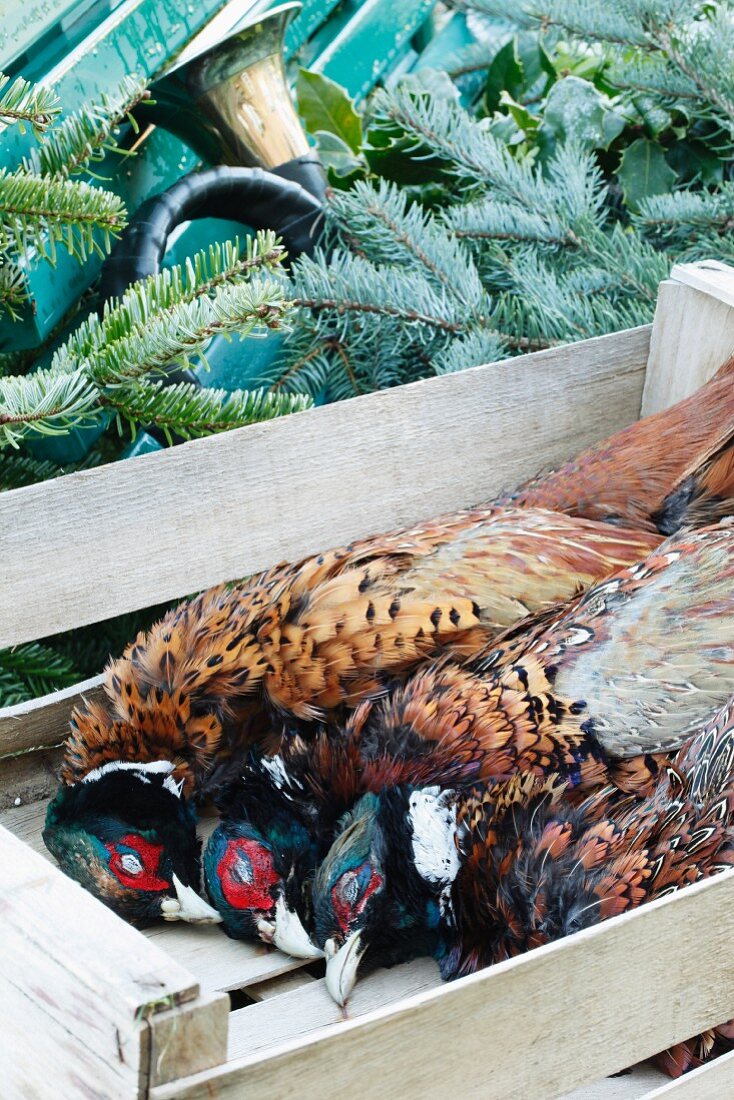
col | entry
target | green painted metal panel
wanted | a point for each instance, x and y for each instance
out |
(373, 37)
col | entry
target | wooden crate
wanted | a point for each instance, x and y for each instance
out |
(90, 1007)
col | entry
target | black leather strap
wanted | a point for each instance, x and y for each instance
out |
(260, 199)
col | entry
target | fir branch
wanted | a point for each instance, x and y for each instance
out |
(36, 214)
(441, 128)
(13, 291)
(345, 284)
(47, 402)
(473, 350)
(23, 102)
(18, 470)
(86, 135)
(190, 411)
(685, 214)
(486, 219)
(220, 265)
(383, 226)
(566, 305)
(33, 669)
(158, 323)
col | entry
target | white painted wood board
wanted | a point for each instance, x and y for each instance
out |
(692, 335)
(714, 1081)
(157, 527)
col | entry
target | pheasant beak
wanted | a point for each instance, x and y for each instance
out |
(341, 966)
(290, 935)
(188, 906)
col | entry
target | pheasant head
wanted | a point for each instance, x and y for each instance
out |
(127, 833)
(259, 861)
(382, 894)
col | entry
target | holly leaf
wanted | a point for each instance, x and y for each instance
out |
(325, 106)
(644, 171)
(576, 110)
(694, 162)
(524, 119)
(341, 164)
(505, 74)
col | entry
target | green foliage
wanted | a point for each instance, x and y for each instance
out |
(644, 171)
(159, 323)
(39, 213)
(27, 671)
(189, 411)
(596, 152)
(325, 106)
(86, 135)
(24, 104)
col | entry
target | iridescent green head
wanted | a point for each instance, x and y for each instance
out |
(128, 835)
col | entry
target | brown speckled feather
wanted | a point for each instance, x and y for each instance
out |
(309, 638)
(595, 692)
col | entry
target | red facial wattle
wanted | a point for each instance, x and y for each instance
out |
(247, 875)
(136, 863)
(351, 892)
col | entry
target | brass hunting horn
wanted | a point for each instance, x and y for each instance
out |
(226, 96)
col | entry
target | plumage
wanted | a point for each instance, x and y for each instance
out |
(223, 670)
(516, 863)
(630, 668)
(310, 638)
(547, 869)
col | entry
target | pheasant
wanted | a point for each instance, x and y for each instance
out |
(633, 667)
(185, 701)
(315, 638)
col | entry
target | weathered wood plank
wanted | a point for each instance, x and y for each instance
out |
(218, 962)
(30, 776)
(135, 533)
(692, 334)
(43, 721)
(188, 1039)
(555, 1019)
(714, 1081)
(73, 970)
(299, 1012)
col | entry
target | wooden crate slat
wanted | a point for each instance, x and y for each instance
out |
(70, 965)
(217, 961)
(556, 1018)
(635, 1085)
(300, 1012)
(713, 1081)
(693, 332)
(193, 1035)
(44, 721)
(135, 533)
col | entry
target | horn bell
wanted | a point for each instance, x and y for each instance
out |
(226, 94)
